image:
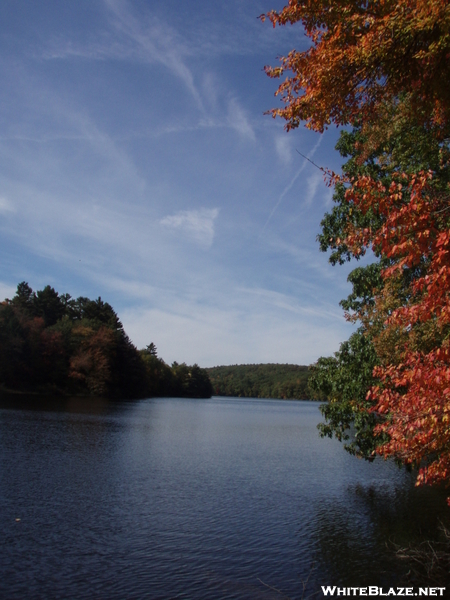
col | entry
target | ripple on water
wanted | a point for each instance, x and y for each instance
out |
(170, 498)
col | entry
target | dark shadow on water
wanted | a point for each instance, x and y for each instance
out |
(358, 536)
(94, 405)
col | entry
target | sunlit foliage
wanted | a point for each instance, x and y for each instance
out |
(384, 69)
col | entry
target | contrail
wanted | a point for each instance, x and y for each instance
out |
(289, 186)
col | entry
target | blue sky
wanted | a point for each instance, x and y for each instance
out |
(137, 165)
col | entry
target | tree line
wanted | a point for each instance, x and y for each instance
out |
(382, 70)
(53, 343)
(261, 381)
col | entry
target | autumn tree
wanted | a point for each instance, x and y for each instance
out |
(191, 381)
(31, 355)
(91, 364)
(363, 55)
(383, 68)
(55, 343)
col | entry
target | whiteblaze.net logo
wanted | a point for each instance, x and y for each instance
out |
(373, 590)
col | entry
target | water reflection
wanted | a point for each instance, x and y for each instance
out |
(359, 534)
(166, 498)
(60, 404)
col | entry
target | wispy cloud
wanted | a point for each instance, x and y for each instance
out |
(211, 90)
(237, 119)
(151, 40)
(136, 176)
(281, 301)
(6, 206)
(225, 331)
(283, 149)
(146, 40)
(104, 47)
(157, 42)
(290, 184)
(197, 225)
(312, 184)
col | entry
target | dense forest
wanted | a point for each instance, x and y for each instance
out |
(261, 381)
(53, 343)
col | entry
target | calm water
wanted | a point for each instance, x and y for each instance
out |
(196, 499)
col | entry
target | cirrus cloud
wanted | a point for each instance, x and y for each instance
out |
(197, 225)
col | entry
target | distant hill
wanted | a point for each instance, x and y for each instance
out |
(261, 381)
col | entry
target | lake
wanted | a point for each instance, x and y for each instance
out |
(196, 499)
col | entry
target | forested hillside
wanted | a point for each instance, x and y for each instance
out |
(54, 343)
(260, 381)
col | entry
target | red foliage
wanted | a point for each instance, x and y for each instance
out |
(92, 363)
(414, 394)
(368, 59)
(363, 54)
